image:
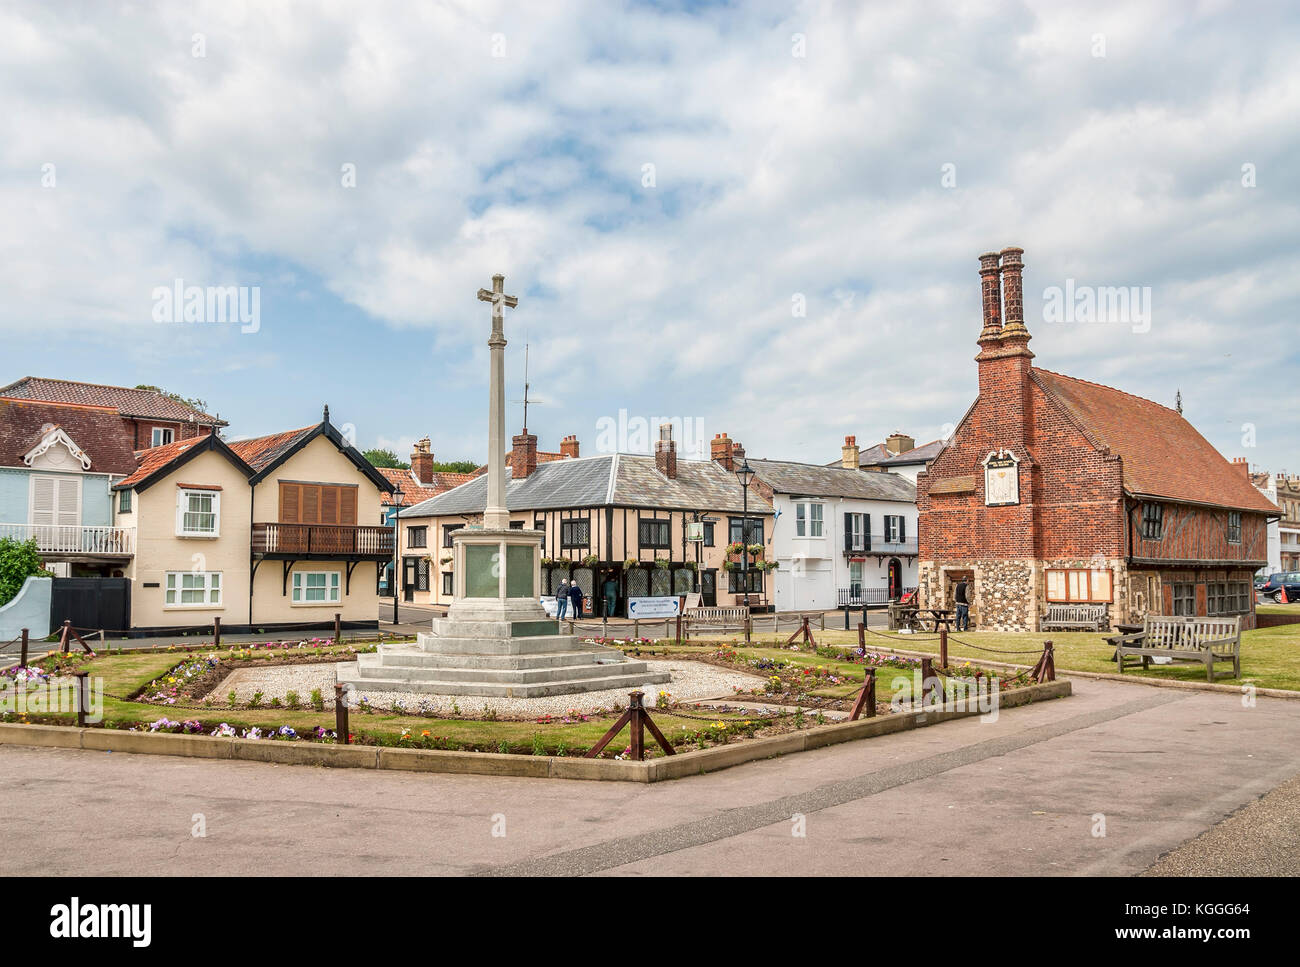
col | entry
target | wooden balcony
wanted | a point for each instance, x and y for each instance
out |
(73, 542)
(322, 541)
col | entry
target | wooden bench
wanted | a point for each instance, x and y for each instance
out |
(1061, 617)
(716, 619)
(1184, 639)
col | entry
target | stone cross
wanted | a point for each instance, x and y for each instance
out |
(496, 516)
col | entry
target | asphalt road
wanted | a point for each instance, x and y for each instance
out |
(1105, 782)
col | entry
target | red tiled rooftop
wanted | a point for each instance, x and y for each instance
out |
(1163, 454)
(260, 451)
(155, 458)
(99, 431)
(127, 401)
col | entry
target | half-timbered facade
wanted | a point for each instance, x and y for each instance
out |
(1058, 490)
(629, 517)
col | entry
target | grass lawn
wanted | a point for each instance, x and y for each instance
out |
(127, 671)
(1292, 608)
(1270, 657)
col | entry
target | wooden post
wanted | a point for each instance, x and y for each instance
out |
(679, 627)
(216, 631)
(636, 627)
(82, 697)
(23, 660)
(862, 636)
(638, 726)
(341, 716)
(864, 614)
(64, 635)
(846, 619)
(749, 628)
(823, 621)
(338, 628)
(943, 647)
(928, 680)
(866, 701)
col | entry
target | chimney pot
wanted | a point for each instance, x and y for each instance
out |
(850, 454)
(569, 446)
(722, 451)
(1013, 299)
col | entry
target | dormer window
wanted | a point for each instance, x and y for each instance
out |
(162, 435)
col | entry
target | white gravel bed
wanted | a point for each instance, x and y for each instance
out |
(691, 681)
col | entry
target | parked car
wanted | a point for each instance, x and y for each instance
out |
(1272, 588)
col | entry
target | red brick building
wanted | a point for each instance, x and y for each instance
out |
(1056, 489)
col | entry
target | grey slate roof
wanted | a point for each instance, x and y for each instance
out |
(587, 482)
(927, 451)
(811, 480)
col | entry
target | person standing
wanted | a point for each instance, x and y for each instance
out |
(561, 599)
(611, 596)
(961, 596)
(575, 598)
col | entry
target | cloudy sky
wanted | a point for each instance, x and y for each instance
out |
(664, 186)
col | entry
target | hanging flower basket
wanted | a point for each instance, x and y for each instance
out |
(629, 564)
(591, 560)
(663, 563)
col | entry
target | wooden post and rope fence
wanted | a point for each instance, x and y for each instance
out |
(638, 717)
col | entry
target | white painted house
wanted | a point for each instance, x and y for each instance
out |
(840, 536)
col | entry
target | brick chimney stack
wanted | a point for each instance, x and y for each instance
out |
(569, 446)
(1004, 357)
(1242, 464)
(422, 462)
(666, 451)
(991, 292)
(523, 458)
(850, 454)
(899, 442)
(720, 451)
(1013, 296)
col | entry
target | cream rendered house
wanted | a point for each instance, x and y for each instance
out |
(265, 534)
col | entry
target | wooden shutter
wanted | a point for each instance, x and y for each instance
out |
(290, 503)
(866, 530)
(348, 506)
(311, 504)
(43, 501)
(848, 532)
(902, 529)
(329, 505)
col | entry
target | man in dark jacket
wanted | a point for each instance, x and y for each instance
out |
(960, 595)
(575, 597)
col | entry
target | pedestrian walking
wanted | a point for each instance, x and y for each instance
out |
(561, 599)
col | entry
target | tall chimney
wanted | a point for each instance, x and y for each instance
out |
(850, 454)
(991, 291)
(569, 446)
(422, 462)
(666, 451)
(1013, 298)
(1242, 464)
(523, 458)
(720, 451)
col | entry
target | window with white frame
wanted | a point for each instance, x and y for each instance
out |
(162, 435)
(315, 587)
(198, 513)
(193, 589)
(808, 520)
(894, 529)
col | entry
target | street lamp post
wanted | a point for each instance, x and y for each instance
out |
(746, 474)
(397, 542)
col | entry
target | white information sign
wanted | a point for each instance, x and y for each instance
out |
(653, 607)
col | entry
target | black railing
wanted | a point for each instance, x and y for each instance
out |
(856, 597)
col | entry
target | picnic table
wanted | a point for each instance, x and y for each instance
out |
(915, 618)
(1122, 630)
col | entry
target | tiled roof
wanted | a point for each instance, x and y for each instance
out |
(99, 431)
(810, 480)
(586, 482)
(127, 402)
(413, 492)
(881, 456)
(155, 458)
(262, 451)
(1163, 454)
